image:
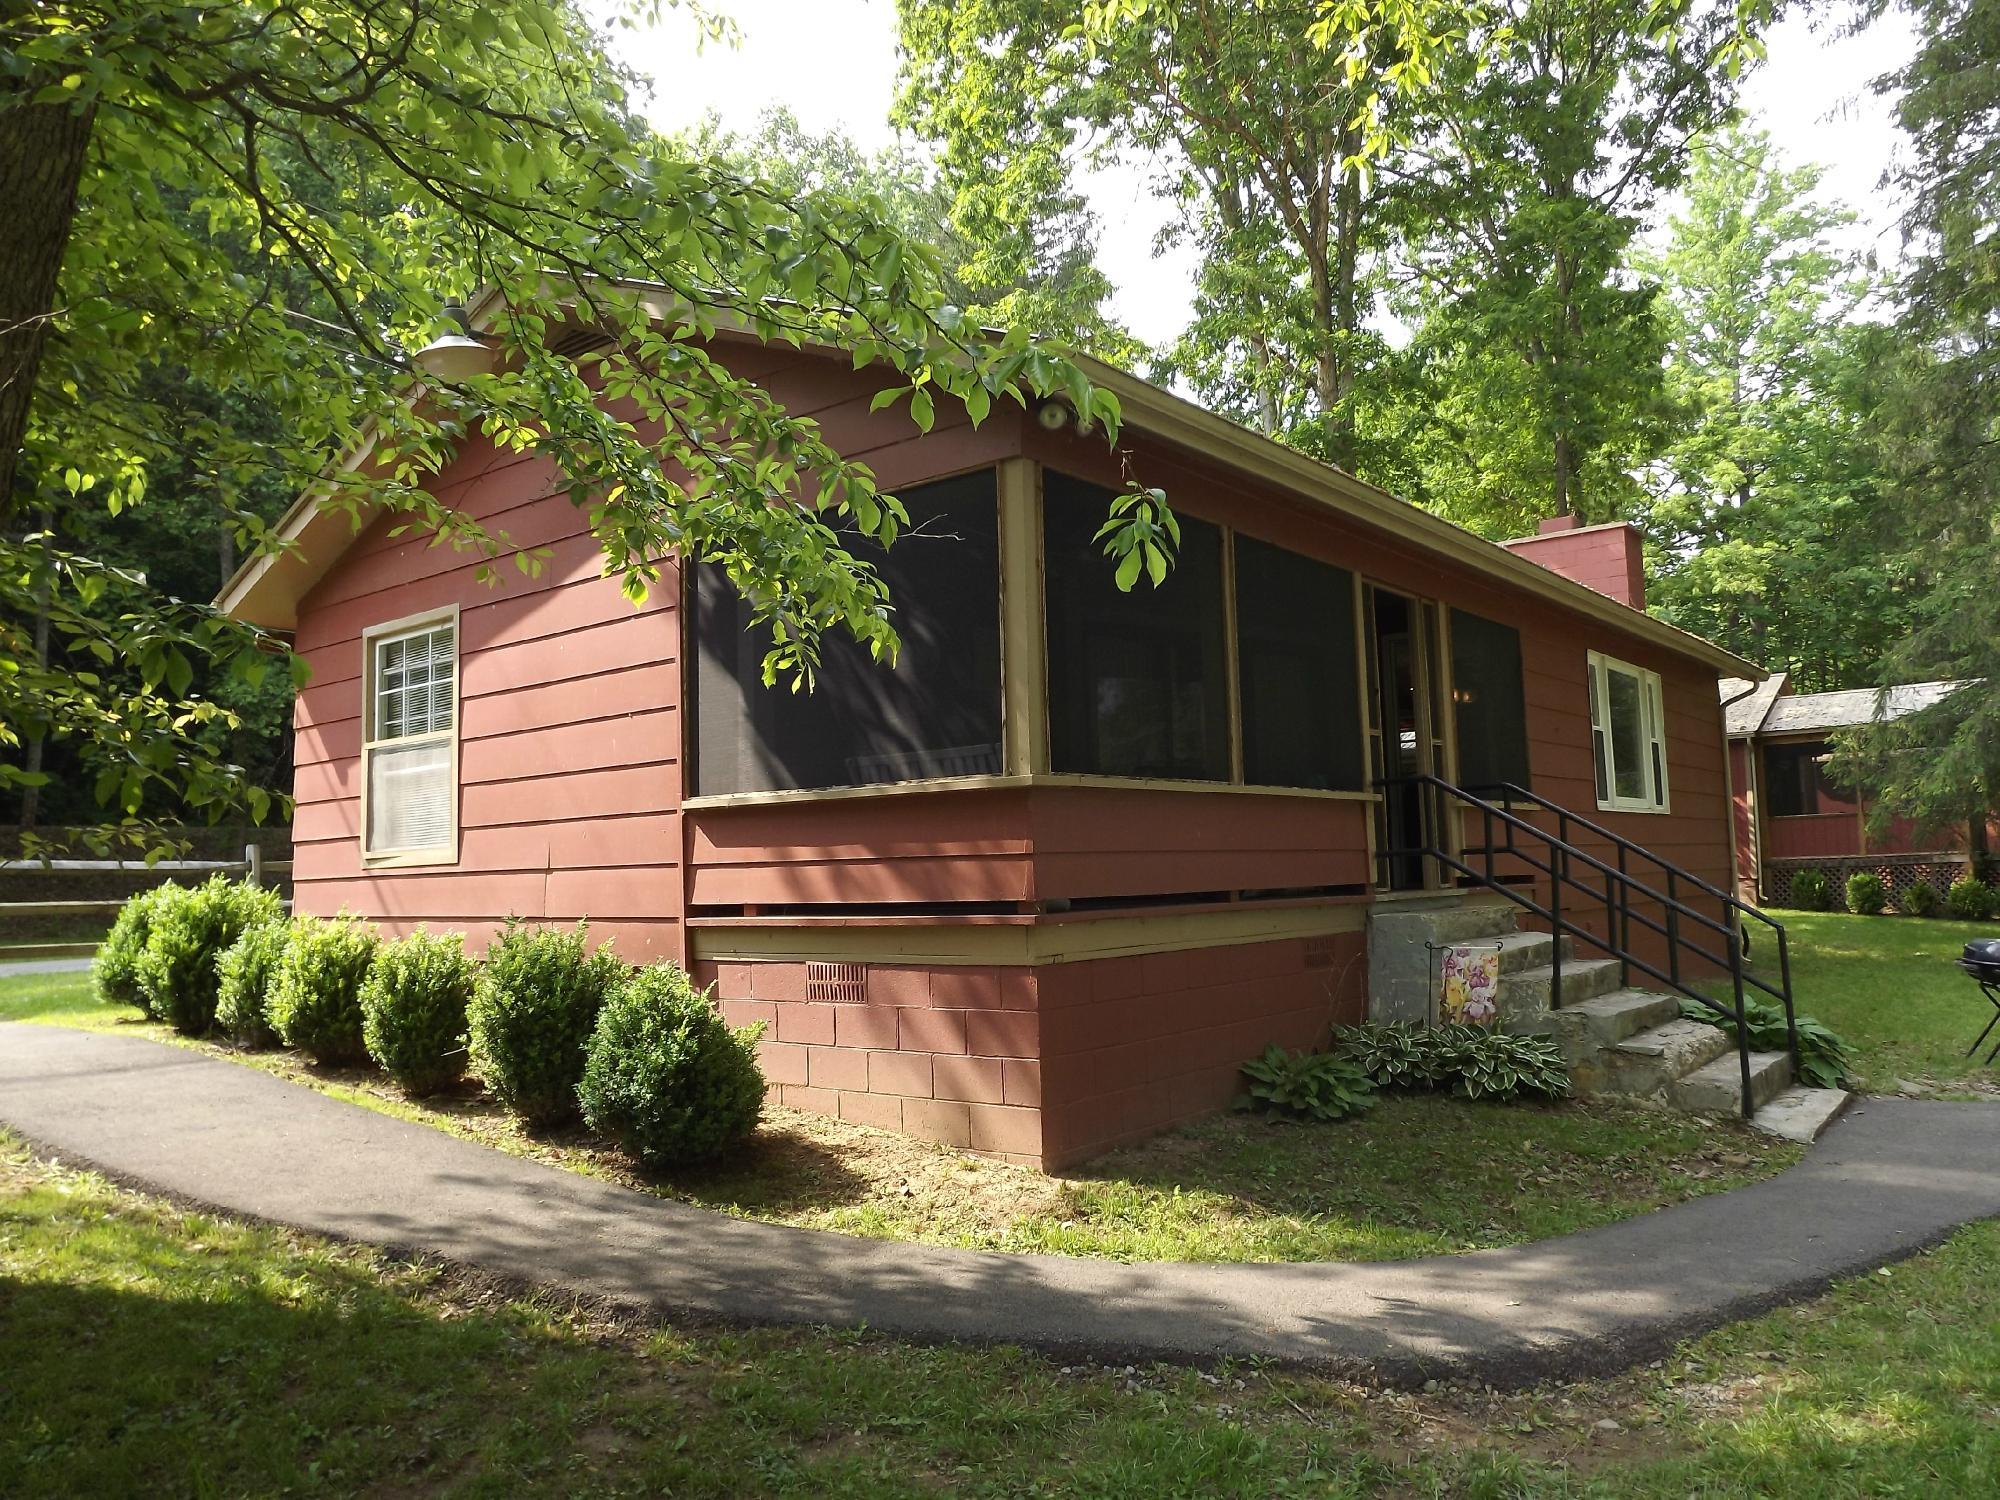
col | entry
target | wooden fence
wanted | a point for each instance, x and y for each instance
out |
(252, 867)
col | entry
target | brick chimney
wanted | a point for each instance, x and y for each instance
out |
(1606, 558)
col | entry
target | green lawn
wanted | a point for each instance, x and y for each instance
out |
(1888, 985)
(152, 1351)
(1418, 1175)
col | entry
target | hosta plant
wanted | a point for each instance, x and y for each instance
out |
(1305, 1085)
(1825, 1062)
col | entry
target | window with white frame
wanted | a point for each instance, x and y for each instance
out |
(409, 744)
(1628, 732)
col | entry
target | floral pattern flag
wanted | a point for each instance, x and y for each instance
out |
(1471, 986)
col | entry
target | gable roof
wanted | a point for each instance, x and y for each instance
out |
(1746, 703)
(266, 590)
(1770, 710)
(1856, 706)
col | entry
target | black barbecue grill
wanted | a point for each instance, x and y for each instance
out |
(1981, 959)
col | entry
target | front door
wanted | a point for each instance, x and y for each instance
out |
(1405, 733)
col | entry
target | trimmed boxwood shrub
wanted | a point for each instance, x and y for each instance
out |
(532, 1013)
(413, 1010)
(189, 931)
(244, 974)
(315, 997)
(665, 1077)
(1812, 891)
(115, 969)
(1970, 900)
(1866, 894)
(1920, 900)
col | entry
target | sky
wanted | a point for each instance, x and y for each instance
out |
(833, 63)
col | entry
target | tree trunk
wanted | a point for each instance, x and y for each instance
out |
(42, 152)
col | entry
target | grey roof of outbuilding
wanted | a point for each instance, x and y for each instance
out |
(1746, 703)
(1765, 712)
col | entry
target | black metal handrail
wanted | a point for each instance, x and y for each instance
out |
(1620, 887)
(1782, 991)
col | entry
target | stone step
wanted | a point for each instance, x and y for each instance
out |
(1716, 1088)
(1646, 1062)
(1459, 920)
(1403, 937)
(1524, 950)
(1802, 1114)
(1525, 992)
(1604, 1020)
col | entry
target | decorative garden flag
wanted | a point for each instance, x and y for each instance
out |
(1471, 986)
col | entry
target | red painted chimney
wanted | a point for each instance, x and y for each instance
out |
(1606, 558)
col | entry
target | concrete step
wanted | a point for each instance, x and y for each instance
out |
(1403, 937)
(1802, 1114)
(1647, 1062)
(1604, 1020)
(1524, 950)
(1526, 992)
(1716, 1088)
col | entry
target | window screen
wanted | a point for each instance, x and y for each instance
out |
(1796, 781)
(408, 752)
(1490, 705)
(1296, 663)
(935, 713)
(1137, 685)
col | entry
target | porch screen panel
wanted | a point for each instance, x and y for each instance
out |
(935, 713)
(1491, 706)
(1298, 669)
(1137, 681)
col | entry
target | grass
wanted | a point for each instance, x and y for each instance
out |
(1418, 1175)
(150, 1350)
(1888, 985)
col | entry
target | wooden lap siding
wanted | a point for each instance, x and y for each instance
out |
(569, 757)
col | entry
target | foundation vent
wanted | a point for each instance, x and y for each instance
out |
(844, 984)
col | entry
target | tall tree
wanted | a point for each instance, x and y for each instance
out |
(1549, 138)
(1258, 119)
(1763, 515)
(494, 149)
(1056, 288)
(1937, 423)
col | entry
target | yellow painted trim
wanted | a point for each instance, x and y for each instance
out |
(1023, 649)
(1023, 945)
(1232, 665)
(1012, 783)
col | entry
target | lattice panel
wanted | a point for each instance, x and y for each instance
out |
(1898, 872)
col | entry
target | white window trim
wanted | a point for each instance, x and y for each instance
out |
(1652, 732)
(445, 853)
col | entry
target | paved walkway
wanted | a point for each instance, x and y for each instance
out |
(1893, 1177)
(43, 966)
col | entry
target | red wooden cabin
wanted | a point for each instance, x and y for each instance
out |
(1791, 815)
(1042, 888)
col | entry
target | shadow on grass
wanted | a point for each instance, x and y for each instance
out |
(774, 1173)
